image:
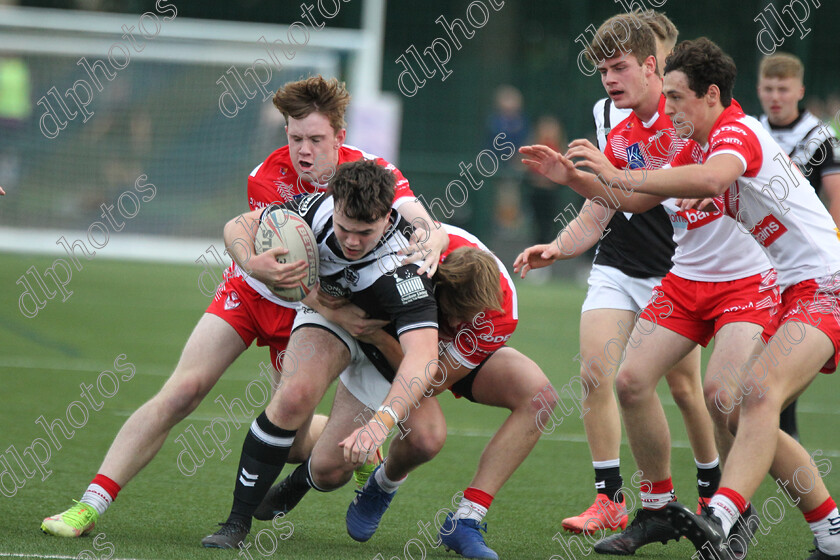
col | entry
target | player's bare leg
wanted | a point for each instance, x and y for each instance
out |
(508, 379)
(772, 381)
(311, 363)
(520, 432)
(600, 334)
(686, 386)
(734, 344)
(656, 352)
(426, 434)
(211, 348)
(659, 349)
(778, 375)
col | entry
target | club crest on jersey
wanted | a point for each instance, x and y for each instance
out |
(232, 301)
(411, 289)
(351, 276)
(635, 158)
(284, 170)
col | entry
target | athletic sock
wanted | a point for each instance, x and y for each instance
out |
(657, 495)
(387, 485)
(101, 493)
(727, 505)
(708, 477)
(301, 478)
(474, 505)
(608, 479)
(822, 520)
(264, 454)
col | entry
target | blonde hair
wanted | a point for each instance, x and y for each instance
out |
(781, 65)
(467, 283)
(660, 24)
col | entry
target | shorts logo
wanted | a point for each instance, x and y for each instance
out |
(768, 230)
(635, 159)
(232, 301)
(411, 289)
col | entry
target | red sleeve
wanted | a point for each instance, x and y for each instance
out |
(740, 141)
(402, 187)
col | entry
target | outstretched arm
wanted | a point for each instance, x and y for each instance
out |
(607, 185)
(706, 180)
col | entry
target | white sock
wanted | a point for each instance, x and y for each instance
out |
(711, 465)
(96, 497)
(724, 509)
(826, 542)
(470, 510)
(388, 485)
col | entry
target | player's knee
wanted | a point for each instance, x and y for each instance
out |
(292, 405)
(331, 477)
(684, 394)
(180, 399)
(630, 389)
(427, 442)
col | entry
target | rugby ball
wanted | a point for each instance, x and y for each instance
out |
(284, 228)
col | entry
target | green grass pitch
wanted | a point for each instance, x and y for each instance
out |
(146, 312)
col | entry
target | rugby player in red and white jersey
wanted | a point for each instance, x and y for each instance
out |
(633, 254)
(244, 309)
(771, 201)
(707, 293)
(478, 314)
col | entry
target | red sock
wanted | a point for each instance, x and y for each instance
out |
(107, 484)
(479, 497)
(734, 497)
(820, 512)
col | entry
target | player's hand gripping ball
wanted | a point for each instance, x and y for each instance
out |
(284, 228)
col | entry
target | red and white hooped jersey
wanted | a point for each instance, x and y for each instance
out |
(276, 181)
(490, 330)
(774, 202)
(715, 254)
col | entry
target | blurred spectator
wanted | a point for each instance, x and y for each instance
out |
(543, 194)
(498, 202)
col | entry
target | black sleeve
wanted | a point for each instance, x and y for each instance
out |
(404, 298)
(825, 161)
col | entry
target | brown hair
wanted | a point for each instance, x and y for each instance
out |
(315, 94)
(363, 190)
(781, 65)
(704, 64)
(638, 39)
(467, 283)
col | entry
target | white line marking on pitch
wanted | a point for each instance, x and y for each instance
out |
(580, 438)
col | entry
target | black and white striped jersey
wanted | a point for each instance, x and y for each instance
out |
(378, 282)
(810, 143)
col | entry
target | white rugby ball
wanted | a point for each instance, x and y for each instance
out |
(284, 228)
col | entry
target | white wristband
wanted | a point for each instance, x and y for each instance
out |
(390, 411)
